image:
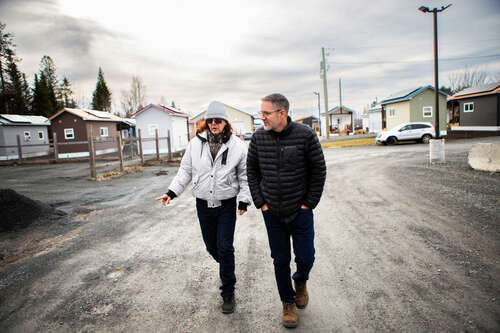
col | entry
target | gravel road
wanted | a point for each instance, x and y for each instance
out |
(401, 245)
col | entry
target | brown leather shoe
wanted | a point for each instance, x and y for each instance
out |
(301, 297)
(290, 319)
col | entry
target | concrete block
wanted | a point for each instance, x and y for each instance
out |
(485, 157)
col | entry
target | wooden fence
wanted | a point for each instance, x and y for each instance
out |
(129, 151)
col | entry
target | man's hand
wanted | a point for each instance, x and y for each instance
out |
(164, 199)
(241, 211)
(264, 207)
(304, 207)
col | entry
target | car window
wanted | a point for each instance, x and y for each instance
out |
(405, 128)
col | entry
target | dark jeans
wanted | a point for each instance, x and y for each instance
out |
(217, 227)
(302, 232)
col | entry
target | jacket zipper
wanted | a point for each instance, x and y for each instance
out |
(280, 150)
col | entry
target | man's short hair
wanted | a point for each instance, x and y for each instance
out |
(278, 100)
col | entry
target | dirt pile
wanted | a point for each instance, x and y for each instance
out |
(18, 211)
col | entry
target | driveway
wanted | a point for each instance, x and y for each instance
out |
(401, 245)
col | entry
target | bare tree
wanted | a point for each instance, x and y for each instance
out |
(467, 77)
(133, 99)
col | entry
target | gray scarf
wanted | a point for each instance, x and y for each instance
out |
(214, 142)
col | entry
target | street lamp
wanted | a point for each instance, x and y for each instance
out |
(434, 11)
(319, 112)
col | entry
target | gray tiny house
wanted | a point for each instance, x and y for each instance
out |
(478, 106)
(32, 131)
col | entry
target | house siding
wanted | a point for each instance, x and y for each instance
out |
(8, 135)
(375, 121)
(166, 122)
(179, 133)
(486, 111)
(427, 98)
(68, 120)
(80, 129)
(402, 113)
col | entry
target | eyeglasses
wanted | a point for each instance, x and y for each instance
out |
(267, 113)
(216, 120)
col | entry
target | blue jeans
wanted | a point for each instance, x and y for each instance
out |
(301, 230)
(217, 228)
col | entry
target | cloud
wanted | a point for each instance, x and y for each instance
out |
(237, 51)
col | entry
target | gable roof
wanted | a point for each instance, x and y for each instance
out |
(487, 89)
(16, 119)
(304, 118)
(407, 94)
(229, 106)
(89, 115)
(170, 110)
(337, 110)
(376, 108)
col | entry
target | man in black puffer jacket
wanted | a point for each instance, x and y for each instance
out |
(286, 174)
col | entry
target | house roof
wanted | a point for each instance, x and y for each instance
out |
(16, 119)
(129, 121)
(304, 118)
(337, 110)
(229, 106)
(407, 94)
(488, 89)
(375, 108)
(90, 115)
(170, 110)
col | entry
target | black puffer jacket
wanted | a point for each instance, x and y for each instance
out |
(285, 170)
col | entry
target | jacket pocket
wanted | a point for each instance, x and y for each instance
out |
(196, 182)
(291, 154)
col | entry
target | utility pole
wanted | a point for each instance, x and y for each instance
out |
(436, 83)
(325, 92)
(319, 111)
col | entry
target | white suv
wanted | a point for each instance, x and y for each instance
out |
(421, 132)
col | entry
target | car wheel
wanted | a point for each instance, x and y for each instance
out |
(426, 138)
(391, 140)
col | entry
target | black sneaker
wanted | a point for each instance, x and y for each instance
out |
(229, 304)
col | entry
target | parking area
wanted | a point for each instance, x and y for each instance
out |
(401, 245)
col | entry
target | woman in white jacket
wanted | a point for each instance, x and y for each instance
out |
(215, 163)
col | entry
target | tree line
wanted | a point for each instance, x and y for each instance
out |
(48, 94)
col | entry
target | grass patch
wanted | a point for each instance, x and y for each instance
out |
(349, 143)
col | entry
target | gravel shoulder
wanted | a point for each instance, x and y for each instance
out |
(401, 245)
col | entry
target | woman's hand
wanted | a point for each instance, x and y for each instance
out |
(241, 211)
(164, 199)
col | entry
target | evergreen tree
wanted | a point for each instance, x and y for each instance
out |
(16, 94)
(66, 94)
(6, 47)
(101, 98)
(42, 104)
(48, 74)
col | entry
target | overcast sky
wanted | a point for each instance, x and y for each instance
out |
(236, 52)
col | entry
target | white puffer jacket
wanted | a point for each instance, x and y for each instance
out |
(214, 180)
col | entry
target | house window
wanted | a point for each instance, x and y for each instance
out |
(103, 131)
(427, 111)
(392, 112)
(40, 135)
(469, 107)
(69, 134)
(27, 136)
(152, 128)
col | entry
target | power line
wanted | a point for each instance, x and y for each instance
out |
(413, 61)
(385, 46)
